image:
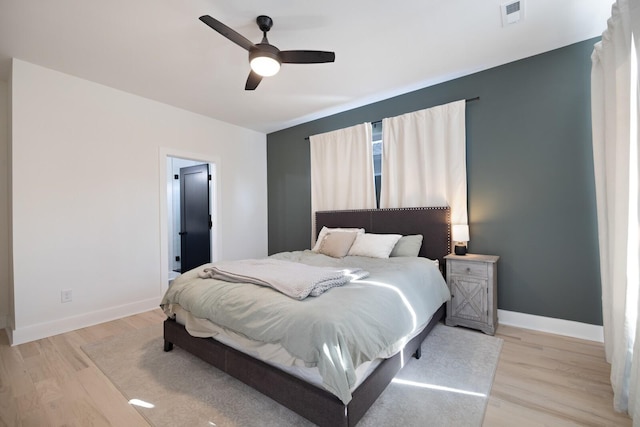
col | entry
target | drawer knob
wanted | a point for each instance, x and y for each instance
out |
(468, 270)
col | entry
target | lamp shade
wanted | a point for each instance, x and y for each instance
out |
(265, 66)
(264, 60)
(460, 233)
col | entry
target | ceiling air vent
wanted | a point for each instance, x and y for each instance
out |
(512, 12)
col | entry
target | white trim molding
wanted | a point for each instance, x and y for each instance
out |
(551, 325)
(44, 330)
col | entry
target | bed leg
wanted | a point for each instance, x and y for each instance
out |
(168, 346)
(418, 353)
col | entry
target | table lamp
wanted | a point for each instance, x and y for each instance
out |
(460, 235)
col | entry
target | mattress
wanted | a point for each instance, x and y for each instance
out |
(273, 354)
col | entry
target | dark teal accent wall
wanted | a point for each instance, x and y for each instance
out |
(530, 178)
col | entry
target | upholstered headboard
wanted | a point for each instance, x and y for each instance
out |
(434, 223)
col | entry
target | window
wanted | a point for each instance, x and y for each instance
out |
(377, 157)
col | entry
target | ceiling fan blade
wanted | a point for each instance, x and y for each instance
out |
(229, 33)
(253, 81)
(306, 56)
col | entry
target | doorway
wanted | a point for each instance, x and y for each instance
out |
(198, 245)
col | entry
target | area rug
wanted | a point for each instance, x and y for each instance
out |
(448, 386)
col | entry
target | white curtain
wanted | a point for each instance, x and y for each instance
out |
(424, 160)
(614, 110)
(342, 171)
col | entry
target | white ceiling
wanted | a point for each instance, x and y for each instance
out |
(159, 49)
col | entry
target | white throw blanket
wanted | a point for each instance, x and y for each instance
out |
(291, 278)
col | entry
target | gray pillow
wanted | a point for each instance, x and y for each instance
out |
(407, 246)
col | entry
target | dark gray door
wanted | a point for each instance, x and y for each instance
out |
(195, 218)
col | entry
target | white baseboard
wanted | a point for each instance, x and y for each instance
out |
(568, 328)
(60, 326)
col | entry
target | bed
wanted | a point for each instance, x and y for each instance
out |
(306, 398)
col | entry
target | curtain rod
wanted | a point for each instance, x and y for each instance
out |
(477, 98)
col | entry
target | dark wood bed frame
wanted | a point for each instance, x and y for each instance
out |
(314, 403)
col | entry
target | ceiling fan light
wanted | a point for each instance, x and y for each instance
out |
(266, 66)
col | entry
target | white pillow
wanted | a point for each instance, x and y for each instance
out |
(374, 245)
(326, 230)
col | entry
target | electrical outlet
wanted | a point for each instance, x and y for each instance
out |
(65, 295)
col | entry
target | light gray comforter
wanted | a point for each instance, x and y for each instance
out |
(294, 279)
(336, 331)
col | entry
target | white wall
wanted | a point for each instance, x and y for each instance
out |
(4, 205)
(86, 197)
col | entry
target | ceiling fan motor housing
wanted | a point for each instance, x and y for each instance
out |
(264, 49)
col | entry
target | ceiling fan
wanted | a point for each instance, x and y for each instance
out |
(265, 59)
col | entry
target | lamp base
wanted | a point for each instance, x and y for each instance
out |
(460, 250)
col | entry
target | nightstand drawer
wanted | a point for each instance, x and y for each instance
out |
(469, 268)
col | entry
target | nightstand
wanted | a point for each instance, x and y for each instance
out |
(473, 283)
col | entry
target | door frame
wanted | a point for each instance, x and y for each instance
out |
(214, 170)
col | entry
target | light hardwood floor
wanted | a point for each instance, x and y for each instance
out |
(545, 379)
(542, 379)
